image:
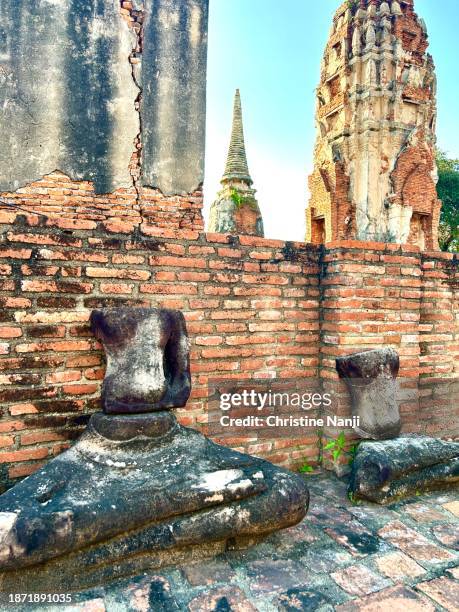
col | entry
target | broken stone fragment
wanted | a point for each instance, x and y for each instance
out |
(387, 470)
(147, 359)
(371, 380)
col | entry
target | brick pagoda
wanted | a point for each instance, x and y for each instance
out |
(374, 173)
(236, 211)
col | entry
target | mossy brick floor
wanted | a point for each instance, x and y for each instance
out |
(342, 557)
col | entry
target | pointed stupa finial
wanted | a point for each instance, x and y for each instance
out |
(236, 162)
(235, 210)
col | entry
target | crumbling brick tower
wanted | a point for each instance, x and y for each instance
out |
(236, 210)
(374, 164)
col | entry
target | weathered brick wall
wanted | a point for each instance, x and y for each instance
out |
(387, 295)
(57, 195)
(413, 186)
(249, 309)
(439, 343)
(254, 308)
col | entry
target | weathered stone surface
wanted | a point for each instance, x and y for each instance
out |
(447, 534)
(452, 507)
(173, 104)
(236, 213)
(358, 540)
(424, 513)
(391, 469)
(399, 566)
(273, 576)
(370, 377)
(66, 93)
(210, 573)
(71, 100)
(454, 572)
(177, 589)
(443, 591)
(393, 598)
(147, 359)
(223, 599)
(93, 605)
(130, 503)
(160, 597)
(414, 544)
(298, 599)
(324, 559)
(359, 580)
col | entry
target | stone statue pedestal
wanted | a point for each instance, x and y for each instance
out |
(138, 491)
(388, 466)
(387, 471)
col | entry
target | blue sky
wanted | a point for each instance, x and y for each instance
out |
(271, 50)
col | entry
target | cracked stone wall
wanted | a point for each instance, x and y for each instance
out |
(375, 174)
(96, 100)
(173, 83)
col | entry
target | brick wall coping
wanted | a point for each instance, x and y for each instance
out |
(123, 227)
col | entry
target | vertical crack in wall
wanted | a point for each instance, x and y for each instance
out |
(135, 18)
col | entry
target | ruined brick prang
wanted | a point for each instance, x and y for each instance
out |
(375, 174)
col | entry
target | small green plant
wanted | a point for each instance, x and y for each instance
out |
(337, 448)
(353, 499)
(240, 200)
(306, 468)
(352, 453)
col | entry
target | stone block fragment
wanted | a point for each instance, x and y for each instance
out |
(147, 352)
(370, 377)
(388, 470)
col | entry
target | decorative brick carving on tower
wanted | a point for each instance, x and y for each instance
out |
(374, 163)
(236, 211)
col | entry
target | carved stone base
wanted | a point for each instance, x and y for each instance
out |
(135, 493)
(383, 472)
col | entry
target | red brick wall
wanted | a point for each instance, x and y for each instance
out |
(408, 29)
(439, 343)
(387, 295)
(254, 307)
(413, 186)
(250, 311)
(56, 195)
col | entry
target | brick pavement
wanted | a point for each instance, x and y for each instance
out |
(342, 557)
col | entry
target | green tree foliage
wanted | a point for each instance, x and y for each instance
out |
(448, 192)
